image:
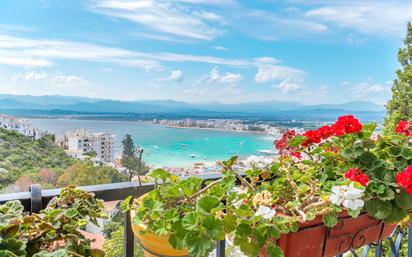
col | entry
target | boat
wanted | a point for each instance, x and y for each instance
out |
(193, 155)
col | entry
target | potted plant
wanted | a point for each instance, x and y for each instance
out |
(329, 190)
(55, 231)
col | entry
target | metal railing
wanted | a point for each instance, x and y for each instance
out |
(36, 199)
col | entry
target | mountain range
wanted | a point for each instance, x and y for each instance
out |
(53, 103)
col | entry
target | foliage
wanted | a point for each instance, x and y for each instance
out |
(319, 173)
(21, 155)
(25, 161)
(400, 106)
(133, 163)
(85, 173)
(53, 232)
(113, 247)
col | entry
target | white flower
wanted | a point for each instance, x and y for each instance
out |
(265, 212)
(347, 196)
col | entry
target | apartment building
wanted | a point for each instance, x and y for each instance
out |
(79, 142)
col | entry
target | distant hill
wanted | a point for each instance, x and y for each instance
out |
(62, 105)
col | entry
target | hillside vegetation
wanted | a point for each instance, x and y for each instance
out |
(24, 162)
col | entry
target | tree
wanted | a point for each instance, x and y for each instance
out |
(400, 106)
(84, 173)
(132, 159)
(128, 146)
(46, 176)
(24, 183)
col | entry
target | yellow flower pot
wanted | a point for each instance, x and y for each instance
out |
(154, 245)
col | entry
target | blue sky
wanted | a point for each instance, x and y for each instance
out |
(311, 51)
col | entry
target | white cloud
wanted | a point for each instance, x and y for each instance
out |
(162, 16)
(221, 48)
(286, 86)
(270, 69)
(368, 17)
(25, 52)
(54, 79)
(175, 75)
(270, 72)
(227, 78)
(368, 89)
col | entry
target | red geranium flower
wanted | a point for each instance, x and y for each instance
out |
(404, 179)
(314, 137)
(404, 127)
(355, 174)
(346, 124)
(326, 132)
(296, 154)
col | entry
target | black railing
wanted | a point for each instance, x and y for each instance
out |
(36, 199)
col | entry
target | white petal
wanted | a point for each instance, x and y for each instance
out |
(335, 199)
(353, 194)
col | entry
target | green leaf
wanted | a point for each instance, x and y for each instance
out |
(378, 209)
(297, 141)
(214, 228)
(404, 200)
(330, 219)
(388, 195)
(394, 151)
(406, 153)
(189, 221)
(13, 245)
(198, 245)
(367, 158)
(354, 213)
(229, 223)
(244, 210)
(368, 129)
(396, 215)
(207, 203)
(274, 251)
(294, 227)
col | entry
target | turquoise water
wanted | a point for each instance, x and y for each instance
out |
(165, 146)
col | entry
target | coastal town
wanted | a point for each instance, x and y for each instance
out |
(101, 147)
(221, 124)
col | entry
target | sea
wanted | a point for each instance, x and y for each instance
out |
(169, 147)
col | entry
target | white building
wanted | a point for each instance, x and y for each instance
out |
(80, 142)
(21, 126)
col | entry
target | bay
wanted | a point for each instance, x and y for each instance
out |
(165, 146)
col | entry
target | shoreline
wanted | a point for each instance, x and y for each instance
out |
(217, 129)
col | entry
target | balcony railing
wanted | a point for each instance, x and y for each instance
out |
(34, 200)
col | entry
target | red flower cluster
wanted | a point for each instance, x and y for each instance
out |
(316, 136)
(283, 143)
(346, 125)
(355, 174)
(404, 179)
(404, 127)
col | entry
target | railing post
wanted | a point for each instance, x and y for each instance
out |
(220, 249)
(35, 198)
(379, 250)
(128, 236)
(410, 241)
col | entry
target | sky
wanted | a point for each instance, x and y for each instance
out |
(309, 51)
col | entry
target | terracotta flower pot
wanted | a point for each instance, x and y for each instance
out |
(154, 245)
(315, 240)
